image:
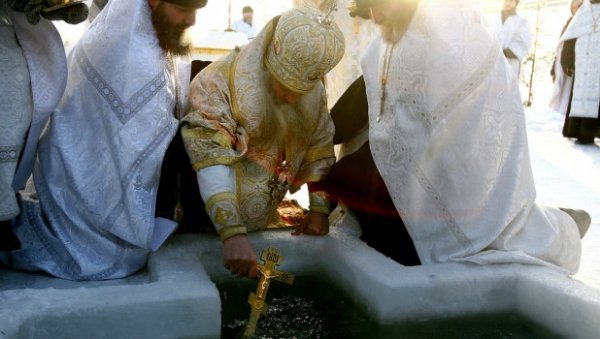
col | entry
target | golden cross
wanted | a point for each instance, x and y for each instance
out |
(258, 305)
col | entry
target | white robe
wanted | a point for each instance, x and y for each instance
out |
(241, 26)
(561, 92)
(451, 146)
(99, 158)
(33, 76)
(514, 34)
(586, 88)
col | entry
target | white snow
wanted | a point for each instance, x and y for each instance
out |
(567, 174)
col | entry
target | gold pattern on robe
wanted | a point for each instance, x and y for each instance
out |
(227, 106)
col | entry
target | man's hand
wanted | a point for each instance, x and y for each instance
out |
(313, 224)
(239, 257)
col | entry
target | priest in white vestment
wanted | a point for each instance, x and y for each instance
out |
(33, 69)
(514, 34)
(99, 158)
(563, 84)
(577, 69)
(447, 133)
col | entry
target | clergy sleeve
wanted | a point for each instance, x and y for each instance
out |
(318, 201)
(211, 134)
(217, 188)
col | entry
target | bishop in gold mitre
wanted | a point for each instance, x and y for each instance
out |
(258, 126)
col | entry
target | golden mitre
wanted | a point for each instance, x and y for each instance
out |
(306, 45)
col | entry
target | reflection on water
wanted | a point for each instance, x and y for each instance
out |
(314, 308)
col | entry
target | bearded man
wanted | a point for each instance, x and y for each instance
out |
(99, 159)
(259, 126)
(447, 134)
(33, 69)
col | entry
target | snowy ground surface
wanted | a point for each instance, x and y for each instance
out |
(567, 175)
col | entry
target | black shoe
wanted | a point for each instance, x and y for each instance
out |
(585, 140)
(8, 240)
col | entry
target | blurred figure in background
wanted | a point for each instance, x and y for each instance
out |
(577, 73)
(246, 24)
(514, 34)
(574, 7)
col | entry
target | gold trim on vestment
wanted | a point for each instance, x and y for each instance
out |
(219, 197)
(229, 160)
(230, 231)
(319, 209)
(224, 212)
(207, 134)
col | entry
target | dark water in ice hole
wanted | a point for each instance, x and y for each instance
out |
(315, 308)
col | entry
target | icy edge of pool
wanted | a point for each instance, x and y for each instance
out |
(392, 293)
(180, 300)
(168, 304)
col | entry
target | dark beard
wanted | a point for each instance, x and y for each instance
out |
(169, 36)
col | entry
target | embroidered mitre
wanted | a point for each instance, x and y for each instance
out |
(305, 46)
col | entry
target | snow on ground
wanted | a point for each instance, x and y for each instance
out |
(567, 175)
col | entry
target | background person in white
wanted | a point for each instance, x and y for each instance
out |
(578, 64)
(246, 25)
(514, 34)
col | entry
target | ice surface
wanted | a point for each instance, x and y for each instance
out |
(172, 298)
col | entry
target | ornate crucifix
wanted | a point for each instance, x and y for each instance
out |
(258, 305)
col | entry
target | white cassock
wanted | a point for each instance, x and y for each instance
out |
(33, 69)
(514, 34)
(451, 146)
(561, 92)
(585, 27)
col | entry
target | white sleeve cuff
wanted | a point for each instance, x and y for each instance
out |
(216, 179)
